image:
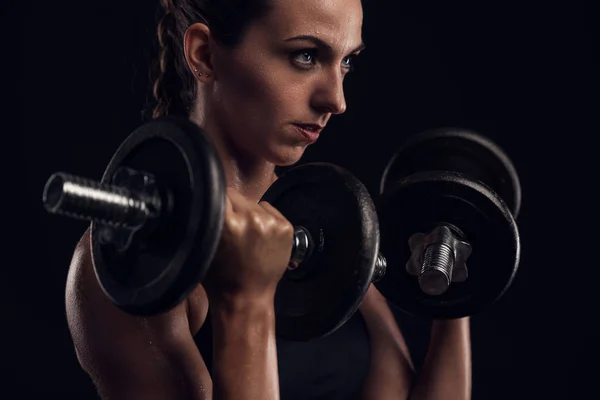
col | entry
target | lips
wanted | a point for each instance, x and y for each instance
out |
(311, 127)
(309, 131)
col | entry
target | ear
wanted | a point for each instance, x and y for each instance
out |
(196, 45)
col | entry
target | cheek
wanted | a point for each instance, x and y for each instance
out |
(260, 95)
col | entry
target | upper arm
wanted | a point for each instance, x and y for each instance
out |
(131, 357)
(381, 322)
(391, 372)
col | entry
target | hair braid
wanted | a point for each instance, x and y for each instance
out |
(175, 87)
(169, 91)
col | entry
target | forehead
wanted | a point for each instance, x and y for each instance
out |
(338, 22)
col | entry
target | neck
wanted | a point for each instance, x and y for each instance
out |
(251, 176)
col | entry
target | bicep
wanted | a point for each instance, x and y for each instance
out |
(130, 357)
(391, 371)
(381, 323)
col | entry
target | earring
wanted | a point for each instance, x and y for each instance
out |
(200, 74)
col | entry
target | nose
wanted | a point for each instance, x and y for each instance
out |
(329, 96)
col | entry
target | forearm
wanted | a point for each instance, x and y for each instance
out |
(446, 371)
(244, 351)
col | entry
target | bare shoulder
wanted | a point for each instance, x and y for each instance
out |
(83, 294)
(87, 305)
(128, 356)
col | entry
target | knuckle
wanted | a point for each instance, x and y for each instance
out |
(234, 224)
(256, 221)
(286, 227)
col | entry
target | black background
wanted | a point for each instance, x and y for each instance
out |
(519, 73)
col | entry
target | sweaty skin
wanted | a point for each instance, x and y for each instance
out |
(289, 69)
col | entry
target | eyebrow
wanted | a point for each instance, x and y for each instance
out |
(320, 42)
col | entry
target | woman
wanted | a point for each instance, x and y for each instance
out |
(262, 77)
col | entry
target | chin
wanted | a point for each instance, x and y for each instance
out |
(287, 157)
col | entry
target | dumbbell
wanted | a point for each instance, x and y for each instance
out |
(447, 208)
(156, 221)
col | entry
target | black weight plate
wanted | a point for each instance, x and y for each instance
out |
(326, 289)
(160, 269)
(459, 150)
(423, 200)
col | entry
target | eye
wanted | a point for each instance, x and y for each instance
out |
(305, 57)
(348, 62)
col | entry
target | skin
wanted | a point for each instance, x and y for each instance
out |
(257, 90)
(248, 99)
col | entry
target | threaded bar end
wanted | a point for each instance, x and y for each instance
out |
(85, 199)
(436, 272)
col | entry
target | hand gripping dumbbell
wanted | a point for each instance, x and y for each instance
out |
(447, 208)
(156, 220)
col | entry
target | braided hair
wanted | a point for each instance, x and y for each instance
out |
(174, 87)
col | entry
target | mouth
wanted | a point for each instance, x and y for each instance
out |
(310, 132)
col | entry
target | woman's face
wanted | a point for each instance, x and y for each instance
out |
(286, 75)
